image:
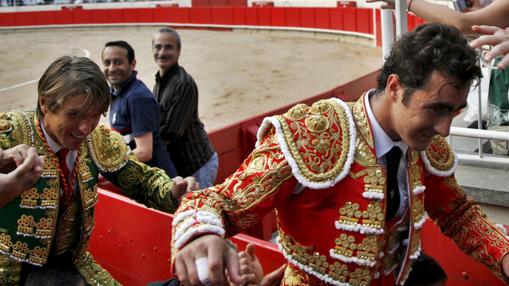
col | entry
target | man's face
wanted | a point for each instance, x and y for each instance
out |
(427, 113)
(116, 66)
(65, 125)
(165, 50)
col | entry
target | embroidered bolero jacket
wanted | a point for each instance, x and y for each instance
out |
(316, 165)
(28, 223)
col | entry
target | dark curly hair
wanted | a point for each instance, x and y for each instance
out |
(430, 47)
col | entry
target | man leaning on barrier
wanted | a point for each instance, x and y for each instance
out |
(351, 183)
(44, 231)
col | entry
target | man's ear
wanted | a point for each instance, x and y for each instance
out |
(393, 87)
(133, 64)
(42, 105)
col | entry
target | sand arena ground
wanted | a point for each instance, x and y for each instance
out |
(239, 73)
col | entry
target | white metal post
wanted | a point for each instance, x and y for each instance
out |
(401, 18)
(387, 31)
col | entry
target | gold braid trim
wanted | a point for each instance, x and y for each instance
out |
(108, 149)
(93, 273)
(439, 158)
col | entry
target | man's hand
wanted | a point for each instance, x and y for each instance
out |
(505, 266)
(28, 169)
(183, 186)
(252, 272)
(250, 267)
(496, 37)
(274, 278)
(219, 255)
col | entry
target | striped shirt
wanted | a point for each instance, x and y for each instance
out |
(189, 145)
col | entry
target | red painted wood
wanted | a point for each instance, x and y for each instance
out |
(350, 19)
(179, 15)
(44, 18)
(264, 14)
(25, 18)
(364, 21)
(8, 19)
(222, 16)
(200, 15)
(322, 18)
(307, 17)
(293, 17)
(100, 16)
(252, 16)
(146, 15)
(239, 16)
(337, 19)
(81, 16)
(278, 17)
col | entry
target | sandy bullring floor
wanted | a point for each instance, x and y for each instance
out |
(239, 73)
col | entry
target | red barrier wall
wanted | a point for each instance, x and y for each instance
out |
(133, 243)
(349, 19)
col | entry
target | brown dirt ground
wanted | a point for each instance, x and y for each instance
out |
(239, 73)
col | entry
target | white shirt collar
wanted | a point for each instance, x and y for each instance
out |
(383, 143)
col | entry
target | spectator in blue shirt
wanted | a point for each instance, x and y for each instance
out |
(134, 111)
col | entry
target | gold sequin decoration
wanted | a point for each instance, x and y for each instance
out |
(26, 224)
(361, 120)
(418, 209)
(29, 198)
(108, 149)
(83, 163)
(317, 262)
(44, 227)
(89, 197)
(372, 216)
(49, 196)
(346, 245)
(20, 250)
(321, 145)
(5, 126)
(5, 242)
(37, 255)
(440, 154)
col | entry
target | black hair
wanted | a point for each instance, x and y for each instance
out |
(430, 47)
(126, 46)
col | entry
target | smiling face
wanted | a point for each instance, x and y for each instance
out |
(68, 125)
(428, 111)
(116, 65)
(166, 51)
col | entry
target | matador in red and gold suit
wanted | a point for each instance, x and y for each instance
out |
(318, 168)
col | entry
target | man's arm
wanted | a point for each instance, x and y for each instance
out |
(144, 147)
(27, 170)
(494, 14)
(460, 218)
(206, 217)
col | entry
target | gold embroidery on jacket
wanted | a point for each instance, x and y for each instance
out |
(338, 271)
(440, 154)
(319, 145)
(372, 216)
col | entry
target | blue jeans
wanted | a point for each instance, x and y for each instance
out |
(207, 174)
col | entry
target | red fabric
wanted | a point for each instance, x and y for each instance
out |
(66, 198)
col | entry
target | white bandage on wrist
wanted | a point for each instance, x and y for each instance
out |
(202, 267)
